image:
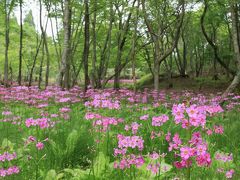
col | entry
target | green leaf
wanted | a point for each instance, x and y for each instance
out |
(6, 144)
(71, 142)
(101, 162)
(51, 175)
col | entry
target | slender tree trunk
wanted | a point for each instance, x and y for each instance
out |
(156, 75)
(134, 43)
(64, 80)
(94, 39)
(184, 69)
(41, 67)
(86, 45)
(45, 44)
(34, 63)
(236, 47)
(105, 58)
(7, 14)
(20, 46)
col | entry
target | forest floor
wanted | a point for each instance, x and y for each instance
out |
(107, 134)
(179, 84)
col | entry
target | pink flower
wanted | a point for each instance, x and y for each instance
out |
(64, 109)
(176, 139)
(144, 117)
(209, 132)
(218, 129)
(135, 127)
(182, 164)
(229, 174)
(204, 160)
(159, 120)
(168, 137)
(154, 168)
(192, 111)
(6, 113)
(127, 127)
(178, 112)
(185, 152)
(154, 156)
(10, 171)
(31, 138)
(201, 149)
(39, 145)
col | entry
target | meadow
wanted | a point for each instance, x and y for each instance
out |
(106, 134)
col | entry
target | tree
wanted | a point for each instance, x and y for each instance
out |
(235, 15)
(8, 7)
(158, 34)
(20, 45)
(86, 45)
(64, 79)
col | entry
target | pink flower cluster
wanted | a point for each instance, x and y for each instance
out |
(144, 117)
(10, 171)
(154, 168)
(196, 115)
(102, 121)
(103, 102)
(159, 120)
(176, 141)
(16, 120)
(127, 162)
(229, 174)
(41, 122)
(130, 142)
(91, 115)
(6, 113)
(218, 129)
(64, 99)
(39, 145)
(223, 157)
(134, 127)
(7, 156)
(155, 156)
(155, 134)
(214, 109)
(120, 151)
(197, 149)
(105, 122)
(64, 109)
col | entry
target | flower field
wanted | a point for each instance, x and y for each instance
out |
(107, 134)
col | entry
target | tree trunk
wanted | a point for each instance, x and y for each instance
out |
(156, 75)
(236, 47)
(20, 46)
(86, 45)
(45, 44)
(134, 43)
(34, 63)
(94, 39)
(64, 80)
(155, 36)
(210, 41)
(40, 69)
(122, 35)
(7, 14)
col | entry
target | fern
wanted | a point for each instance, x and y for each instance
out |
(71, 142)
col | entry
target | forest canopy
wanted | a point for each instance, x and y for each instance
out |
(97, 42)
